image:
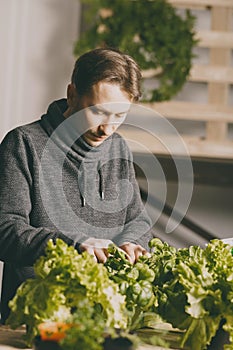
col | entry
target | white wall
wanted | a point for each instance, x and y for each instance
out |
(36, 61)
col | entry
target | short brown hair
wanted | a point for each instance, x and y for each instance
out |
(109, 65)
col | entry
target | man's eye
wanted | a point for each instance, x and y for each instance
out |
(97, 111)
(120, 116)
(101, 113)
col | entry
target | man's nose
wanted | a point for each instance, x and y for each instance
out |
(107, 128)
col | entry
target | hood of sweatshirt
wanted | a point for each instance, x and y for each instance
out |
(65, 135)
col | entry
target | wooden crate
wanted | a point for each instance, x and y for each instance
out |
(217, 114)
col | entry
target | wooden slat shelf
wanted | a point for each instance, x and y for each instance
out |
(215, 39)
(202, 73)
(217, 74)
(211, 73)
(191, 111)
(143, 142)
(202, 3)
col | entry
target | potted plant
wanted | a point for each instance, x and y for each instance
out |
(152, 32)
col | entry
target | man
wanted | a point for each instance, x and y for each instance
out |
(70, 176)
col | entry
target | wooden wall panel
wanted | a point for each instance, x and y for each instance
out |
(217, 113)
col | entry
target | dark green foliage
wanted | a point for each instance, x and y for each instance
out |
(152, 32)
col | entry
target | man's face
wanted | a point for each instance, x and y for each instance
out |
(103, 111)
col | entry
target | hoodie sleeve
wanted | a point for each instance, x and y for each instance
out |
(19, 241)
(138, 226)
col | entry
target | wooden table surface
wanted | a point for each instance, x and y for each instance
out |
(12, 340)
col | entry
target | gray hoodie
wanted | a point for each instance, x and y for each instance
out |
(54, 185)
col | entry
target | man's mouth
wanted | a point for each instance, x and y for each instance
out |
(98, 137)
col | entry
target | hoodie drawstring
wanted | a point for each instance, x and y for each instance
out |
(81, 186)
(82, 183)
(101, 184)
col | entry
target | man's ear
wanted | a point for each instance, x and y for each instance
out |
(72, 95)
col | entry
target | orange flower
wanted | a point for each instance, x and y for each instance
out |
(53, 331)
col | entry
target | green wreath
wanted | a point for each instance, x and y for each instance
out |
(150, 31)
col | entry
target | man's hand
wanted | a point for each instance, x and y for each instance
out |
(133, 251)
(96, 247)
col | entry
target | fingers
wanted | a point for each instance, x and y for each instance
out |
(99, 254)
(133, 251)
(139, 252)
(124, 252)
(97, 242)
(90, 251)
(98, 249)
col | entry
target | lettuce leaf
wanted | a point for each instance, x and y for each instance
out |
(63, 279)
(196, 293)
(190, 288)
